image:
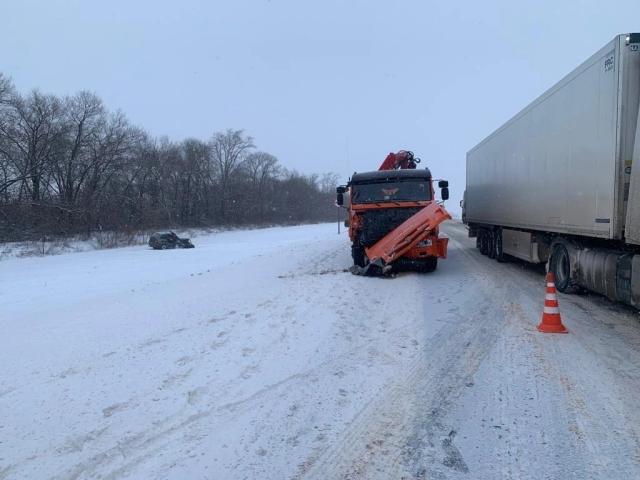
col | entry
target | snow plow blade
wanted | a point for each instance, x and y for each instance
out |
(403, 238)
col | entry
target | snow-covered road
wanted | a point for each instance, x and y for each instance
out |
(256, 356)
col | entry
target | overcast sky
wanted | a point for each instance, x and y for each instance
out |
(325, 86)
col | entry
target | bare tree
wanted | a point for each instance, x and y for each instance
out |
(261, 168)
(195, 179)
(6, 89)
(328, 183)
(31, 130)
(67, 165)
(110, 153)
(8, 175)
(83, 121)
(228, 151)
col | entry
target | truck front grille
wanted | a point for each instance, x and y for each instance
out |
(377, 223)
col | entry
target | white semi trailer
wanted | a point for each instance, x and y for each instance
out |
(560, 181)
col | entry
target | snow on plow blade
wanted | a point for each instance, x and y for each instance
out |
(403, 238)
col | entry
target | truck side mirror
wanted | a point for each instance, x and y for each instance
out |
(341, 189)
(443, 183)
(444, 193)
(340, 199)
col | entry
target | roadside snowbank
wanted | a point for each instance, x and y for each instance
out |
(105, 240)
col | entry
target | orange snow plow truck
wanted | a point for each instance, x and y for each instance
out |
(394, 217)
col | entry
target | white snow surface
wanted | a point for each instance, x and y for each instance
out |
(257, 356)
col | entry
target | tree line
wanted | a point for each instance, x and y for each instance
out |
(68, 165)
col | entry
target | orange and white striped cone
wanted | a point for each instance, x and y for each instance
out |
(551, 321)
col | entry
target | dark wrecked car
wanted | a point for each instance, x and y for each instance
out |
(165, 240)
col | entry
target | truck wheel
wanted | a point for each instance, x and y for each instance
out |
(491, 244)
(560, 265)
(429, 264)
(497, 246)
(482, 235)
(357, 253)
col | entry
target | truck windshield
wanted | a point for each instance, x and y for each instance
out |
(403, 191)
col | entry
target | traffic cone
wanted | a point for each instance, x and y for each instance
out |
(551, 322)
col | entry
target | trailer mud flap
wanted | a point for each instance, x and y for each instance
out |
(623, 278)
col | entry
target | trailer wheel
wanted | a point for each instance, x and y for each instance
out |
(491, 244)
(357, 253)
(560, 265)
(429, 264)
(497, 246)
(482, 236)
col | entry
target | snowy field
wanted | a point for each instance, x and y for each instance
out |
(255, 356)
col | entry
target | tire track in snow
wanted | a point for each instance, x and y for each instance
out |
(398, 434)
(585, 393)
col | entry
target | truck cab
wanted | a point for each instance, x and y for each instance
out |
(380, 201)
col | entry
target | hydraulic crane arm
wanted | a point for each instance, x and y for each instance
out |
(401, 160)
